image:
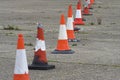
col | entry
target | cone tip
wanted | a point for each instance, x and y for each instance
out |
(62, 21)
(70, 6)
(20, 44)
(39, 25)
(70, 11)
(78, 5)
(20, 35)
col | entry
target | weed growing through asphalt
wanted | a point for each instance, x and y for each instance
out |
(92, 23)
(82, 32)
(113, 23)
(28, 44)
(99, 7)
(10, 33)
(11, 27)
(74, 44)
(99, 21)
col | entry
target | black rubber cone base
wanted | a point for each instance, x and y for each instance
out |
(76, 29)
(63, 52)
(87, 14)
(91, 8)
(41, 67)
(73, 40)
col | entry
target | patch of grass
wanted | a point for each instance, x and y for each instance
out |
(99, 21)
(11, 27)
(82, 32)
(83, 44)
(99, 7)
(92, 23)
(28, 44)
(10, 33)
(100, 64)
(74, 44)
(31, 23)
(113, 23)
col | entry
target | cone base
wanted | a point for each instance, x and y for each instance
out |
(91, 8)
(76, 29)
(73, 40)
(63, 52)
(41, 67)
(87, 14)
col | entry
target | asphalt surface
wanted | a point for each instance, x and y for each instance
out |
(96, 57)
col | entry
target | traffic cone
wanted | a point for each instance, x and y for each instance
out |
(62, 44)
(70, 31)
(40, 60)
(75, 28)
(78, 17)
(90, 4)
(21, 68)
(86, 9)
(79, 1)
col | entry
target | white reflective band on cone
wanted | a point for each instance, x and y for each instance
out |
(40, 44)
(78, 14)
(21, 66)
(62, 32)
(86, 4)
(70, 23)
(88, 1)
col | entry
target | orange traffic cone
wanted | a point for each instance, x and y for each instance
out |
(70, 31)
(86, 9)
(78, 17)
(21, 68)
(62, 45)
(91, 1)
(40, 60)
(71, 12)
(79, 1)
(90, 4)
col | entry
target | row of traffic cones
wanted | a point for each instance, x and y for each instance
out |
(87, 7)
(79, 20)
(66, 34)
(78, 16)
